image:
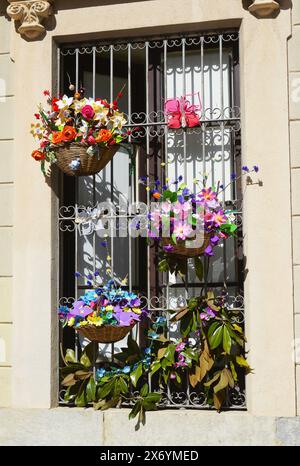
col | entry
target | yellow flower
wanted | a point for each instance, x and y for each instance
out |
(109, 307)
(108, 258)
(71, 322)
(136, 310)
(147, 188)
(118, 120)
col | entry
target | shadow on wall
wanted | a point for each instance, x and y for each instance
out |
(62, 4)
(284, 4)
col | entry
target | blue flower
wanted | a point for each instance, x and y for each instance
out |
(255, 168)
(103, 243)
(233, 176)
(74, 165)
(245, 168)
(147, 350)
(185, 192)
(126, 369)
(100, 373)
(77, 274)
(180, 178)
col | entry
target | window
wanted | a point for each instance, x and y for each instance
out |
(153, 70)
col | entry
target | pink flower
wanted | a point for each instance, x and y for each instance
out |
(219, 217)
(182, 230)
(91, 140)
(173, 376)
(180, 346)
(88, 112)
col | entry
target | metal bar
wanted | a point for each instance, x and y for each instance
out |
(77, 69)
(184, 92)
(58, 72)
(147, 161)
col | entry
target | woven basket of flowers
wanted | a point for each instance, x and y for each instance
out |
(80, 135)
(104, 315)
(104, 334)
(74, 160)
(181, 249)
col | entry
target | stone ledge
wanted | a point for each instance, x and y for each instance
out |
(68, 426)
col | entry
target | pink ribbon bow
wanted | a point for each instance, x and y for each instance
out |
(181, 113)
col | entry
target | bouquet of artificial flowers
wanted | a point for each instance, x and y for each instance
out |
(79, 134)
(106, 314)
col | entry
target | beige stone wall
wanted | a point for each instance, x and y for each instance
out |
(6, 209)
(269, 285)
(294, 82)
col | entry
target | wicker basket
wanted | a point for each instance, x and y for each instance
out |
(105, 333)
(180, 249)
(89, 164)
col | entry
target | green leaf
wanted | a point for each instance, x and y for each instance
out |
(123, 385)
(216, 336)
(70, 356)
(106, 389)
(136, 374)
(144, 390)
(169, 354)
(155, 366)
(199, 268)
(91, 389)
(233, 371)
(167, 194)
(174, 238)
(173, 197)
(153, 397)
(226, 340)
(163, 266)
(135, 410)
(241, 361)
(85, 360)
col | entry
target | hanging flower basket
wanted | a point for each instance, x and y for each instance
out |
(105, 315)
(78, 134)
(180, 248)
(74, 159)
(104, 334)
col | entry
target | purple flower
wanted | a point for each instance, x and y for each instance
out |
(80, 309)
(96, 273)
(245, 168)
(165, 187)
(208, 251)
(168, 248)
(136, 302)
(233, 176)
(89, 283)
(214, 240)
(77, 274)
(180, 178)
(103, 243)
(173, 376)
(255, 168)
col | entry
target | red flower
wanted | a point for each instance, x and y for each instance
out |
(54, 104)
(37, 116)
(38, 155)
(46, 93)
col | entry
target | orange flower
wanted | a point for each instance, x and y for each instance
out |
(69, 133)
(104, 135)
(57, 137)
(156, 195)
(38, 155)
